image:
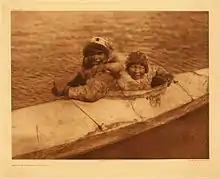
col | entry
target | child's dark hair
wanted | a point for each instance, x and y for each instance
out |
(137, 58)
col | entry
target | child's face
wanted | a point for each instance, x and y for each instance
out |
(136, 71)
(97, 58)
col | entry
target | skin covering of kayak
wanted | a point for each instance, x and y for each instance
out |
(60, 128)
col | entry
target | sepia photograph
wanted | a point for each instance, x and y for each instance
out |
(110, 85)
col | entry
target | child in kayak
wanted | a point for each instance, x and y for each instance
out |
(140, 75)
(98, 74)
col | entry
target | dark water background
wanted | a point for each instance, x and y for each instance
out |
(45, 45)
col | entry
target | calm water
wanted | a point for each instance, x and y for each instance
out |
(45, 45)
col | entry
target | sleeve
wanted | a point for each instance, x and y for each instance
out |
(127, 85)
(125, 82)
(94, 89)
(78, 80)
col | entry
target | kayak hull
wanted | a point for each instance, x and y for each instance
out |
(69, 127)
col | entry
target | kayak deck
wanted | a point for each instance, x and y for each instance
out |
(69, 127)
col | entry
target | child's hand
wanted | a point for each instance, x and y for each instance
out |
(57, 90)
(59, 86)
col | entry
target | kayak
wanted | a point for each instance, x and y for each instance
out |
(62, 128)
